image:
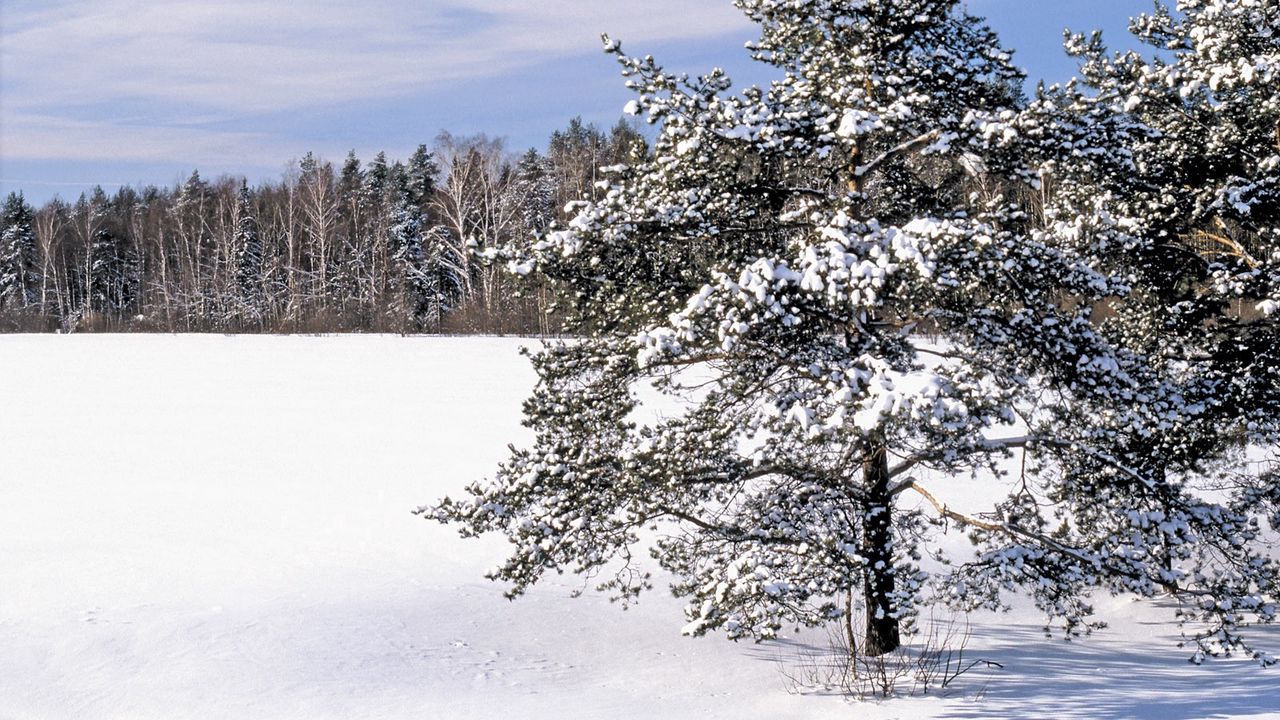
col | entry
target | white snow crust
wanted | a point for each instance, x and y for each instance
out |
(220, 527)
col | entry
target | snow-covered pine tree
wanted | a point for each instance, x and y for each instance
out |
(411, 296)
(533, 193)
(248, 244)
(1187, 191)
(353, 282)
(532, 196)
(426, 278)
(443, 272)
(113, 273)
(769, 271)
(19, 274)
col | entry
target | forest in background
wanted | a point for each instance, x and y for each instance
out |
(367, 246)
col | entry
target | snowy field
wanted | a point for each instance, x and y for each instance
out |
(220, 527)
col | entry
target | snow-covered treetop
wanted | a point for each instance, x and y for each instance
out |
(1210, 94)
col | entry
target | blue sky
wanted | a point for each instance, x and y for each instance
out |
(142, 91)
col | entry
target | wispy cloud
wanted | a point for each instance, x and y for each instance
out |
(44, 137)
(186, 81)
(238, 56)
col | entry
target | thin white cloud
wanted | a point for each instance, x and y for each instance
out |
(252, 56)
(44, 137)
(146, 80)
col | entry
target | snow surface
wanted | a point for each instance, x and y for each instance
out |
(220, 527)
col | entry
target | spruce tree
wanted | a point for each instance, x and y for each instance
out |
(113, 274)
(426, 276)
(351, 180)
(376, 179)
(248, 243)
(19, 275)
(533, 193)
(421, 176)
(353, 282)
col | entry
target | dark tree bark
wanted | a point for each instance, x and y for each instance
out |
(878, 582)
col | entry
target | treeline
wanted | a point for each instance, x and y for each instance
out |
(366, 246)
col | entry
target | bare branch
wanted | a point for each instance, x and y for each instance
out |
(913, 144)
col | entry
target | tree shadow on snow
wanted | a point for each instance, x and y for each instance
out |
(1096, 678)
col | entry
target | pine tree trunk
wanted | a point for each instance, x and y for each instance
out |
(882, 622)
(1166, 554)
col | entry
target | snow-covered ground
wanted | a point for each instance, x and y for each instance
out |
(220, 527)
